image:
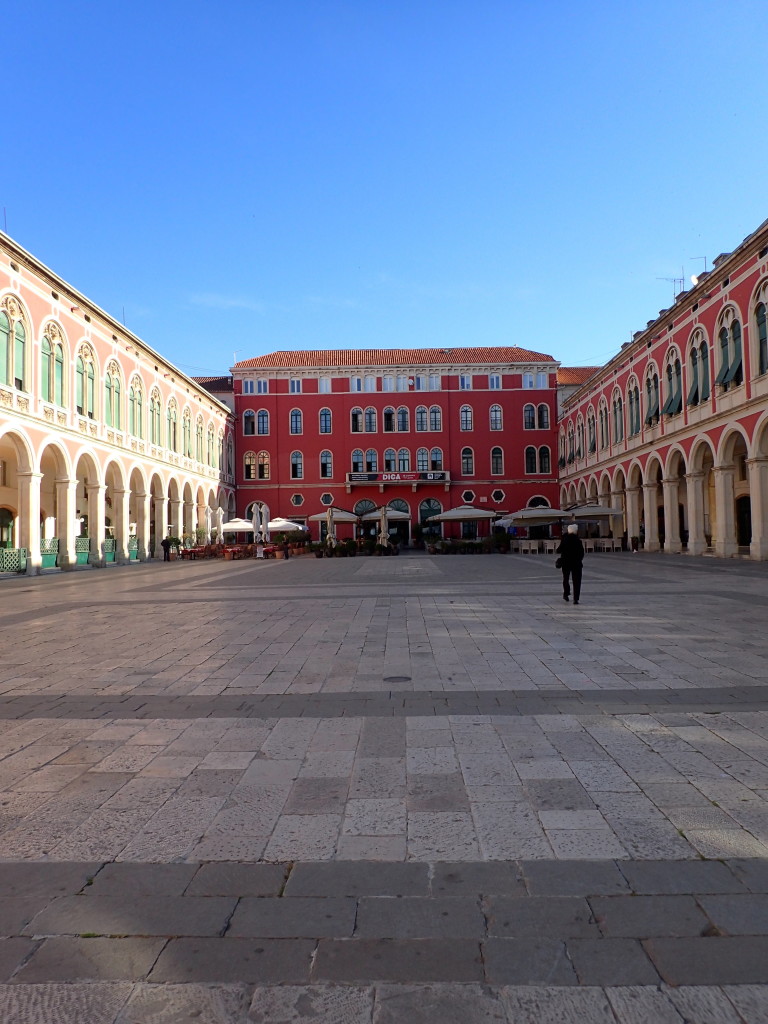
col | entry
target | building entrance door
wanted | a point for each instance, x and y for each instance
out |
(743, 521)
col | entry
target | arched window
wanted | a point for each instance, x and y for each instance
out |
(211, 447)
(390, 462)
(371, 461)
(46, 370)
(402, 418)
(591, 433)
(171, 428)
(186, 434)
(85, 385)
(427, 508)
(249, 422)
(370, 421)
(263, 466)
(618, 419)
(762, 338)
(497, 462)
(731, 370)
(357, 461)
(497, 421)
(364, 506)
(136, 409)
(262, 422)
(19, 356)
(389, 419)
(530, 460)
(435, 418)
(403, 461)
(436, 460)
(357, 421)
(297, 466)
(465, 417)
(325, 421)
(422, 460)
(542, 412)
(421, 417)
(5, 348)
(249, 466)
(155, 418)
(399, 505)
(652, 398)
(529, 417)
(51, 366)
(467, 462)
(704, 371)
(545, 461)
(326, 465)
(199, 439)
(230, 456)
(296, 421)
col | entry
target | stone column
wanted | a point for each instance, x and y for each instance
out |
(142, 524)
(66, 510)
(175, 513)
(96, 532)
(161, 522)
(122, 510)
(29, 518)
(633, 513)
(650, 507)
(725, 538)
(697, 542)
(673, 545)
(758, 499)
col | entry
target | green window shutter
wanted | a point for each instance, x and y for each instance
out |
(734, 373)
(91, 391)
(45, 369)
(20, 348)
(5, 336)
(762, 338)
(58, 376)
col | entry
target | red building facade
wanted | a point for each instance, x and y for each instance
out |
(419, 430)
(674, 429)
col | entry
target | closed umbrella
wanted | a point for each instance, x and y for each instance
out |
(207, 524)
(219, 525)
(256, 518)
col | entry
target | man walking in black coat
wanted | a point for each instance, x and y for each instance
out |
(571, 552)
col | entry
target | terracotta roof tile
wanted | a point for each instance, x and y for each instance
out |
(353, 358)
(570, 375)
(215, 383)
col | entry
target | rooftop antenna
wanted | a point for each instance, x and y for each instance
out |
(694, 277)
(678, 283)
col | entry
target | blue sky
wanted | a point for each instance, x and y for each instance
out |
(242, 177)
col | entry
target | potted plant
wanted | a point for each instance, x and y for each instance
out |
(351, 548)
(176, 543)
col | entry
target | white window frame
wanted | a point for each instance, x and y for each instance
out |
(294, 385)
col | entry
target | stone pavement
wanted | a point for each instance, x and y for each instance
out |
(385, 790)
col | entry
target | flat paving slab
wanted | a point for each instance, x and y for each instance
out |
(381, 789)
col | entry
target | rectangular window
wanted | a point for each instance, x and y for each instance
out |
(527, 380)
(355, 383)
(248, 387)
(295, 386)
(370, 383)
(402, 383)
(542, 380)
(324, 385)
(465, 382)
(388, 383)
(434, 382)
(420, 383)
(494, 381)
(262, 387)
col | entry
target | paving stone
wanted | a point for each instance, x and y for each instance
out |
(68, 959)
(374, 818)
(527, 962)
(17, 911)
(299, 917)
(753, 873)
(638, 1004)
(751, 1001)
(543, 1004)
(91, 1003)
(13, 951)
(745, 914)
(374, 848)
(418, 918)
(477, 879)
(585, 844)
(444, 792)
(426, 1004)
(134, 915)
(578, 878)
(250, 961)
(643, 917)
(304, 837)
(45, 879)
(686, 876)
(237, 879)
(406, 960)
(612, 962)
(350, 879)
(704, 1005)
(382, 738)
(176, 1004)
(442, 835)
(710, 961)
(312, 1004)
(141, 880)
(316, 796)
(545, 916)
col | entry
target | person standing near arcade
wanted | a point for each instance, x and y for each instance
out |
(571, 552)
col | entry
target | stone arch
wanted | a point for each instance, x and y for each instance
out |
(732, 492)
(19, 499)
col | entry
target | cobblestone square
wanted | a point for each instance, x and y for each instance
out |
(385, 790)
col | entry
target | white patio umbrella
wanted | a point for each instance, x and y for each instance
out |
(384, 514)
(286, 525)
(237, 526)
(532, 517)
(596, 512)
(460, 514)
